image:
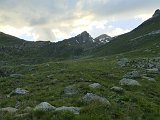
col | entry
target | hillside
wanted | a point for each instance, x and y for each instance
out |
(144, 36)
(24, 51)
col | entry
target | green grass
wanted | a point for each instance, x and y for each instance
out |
(135, 103)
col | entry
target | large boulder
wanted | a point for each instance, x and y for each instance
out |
(133, 74)
(129, 82)
(9, 109)
(70, 90)
(75, 110)
(123, 62)
(95, 85)
(44, 106)
(90, 97)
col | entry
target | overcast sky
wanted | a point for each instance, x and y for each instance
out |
(54, 20)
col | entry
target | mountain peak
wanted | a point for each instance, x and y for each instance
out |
(102, 39)
(84, 32)
(156, 13)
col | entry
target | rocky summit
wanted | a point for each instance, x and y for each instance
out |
(157, 13)
(82, 78)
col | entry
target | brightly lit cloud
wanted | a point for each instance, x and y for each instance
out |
(56, 20)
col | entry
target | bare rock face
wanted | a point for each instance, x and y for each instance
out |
(90, 97)
(44, 106)
(129, 82)
(75, 110)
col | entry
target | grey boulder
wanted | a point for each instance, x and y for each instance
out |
(129, 82)
(90, 97)
(44, 106)
(21, 91)
(95, 85)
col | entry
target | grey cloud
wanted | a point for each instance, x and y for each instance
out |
(45, 15)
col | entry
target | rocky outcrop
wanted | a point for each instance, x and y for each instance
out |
(146, 63)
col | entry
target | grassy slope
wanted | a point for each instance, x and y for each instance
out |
(135, 103)
(123, 44)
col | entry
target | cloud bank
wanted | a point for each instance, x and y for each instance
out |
(55, 20)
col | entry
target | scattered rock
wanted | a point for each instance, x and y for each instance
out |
(123, 62)
(9, 109)
(70, 90)
(21, 91)
(152, 71)
(90, 97)
(95, 85)
(75, 110)
(44, 106)
(117, 89)
(146, 63)
(129, 82)
(16, 75)
(133, 74)
(149, 78)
